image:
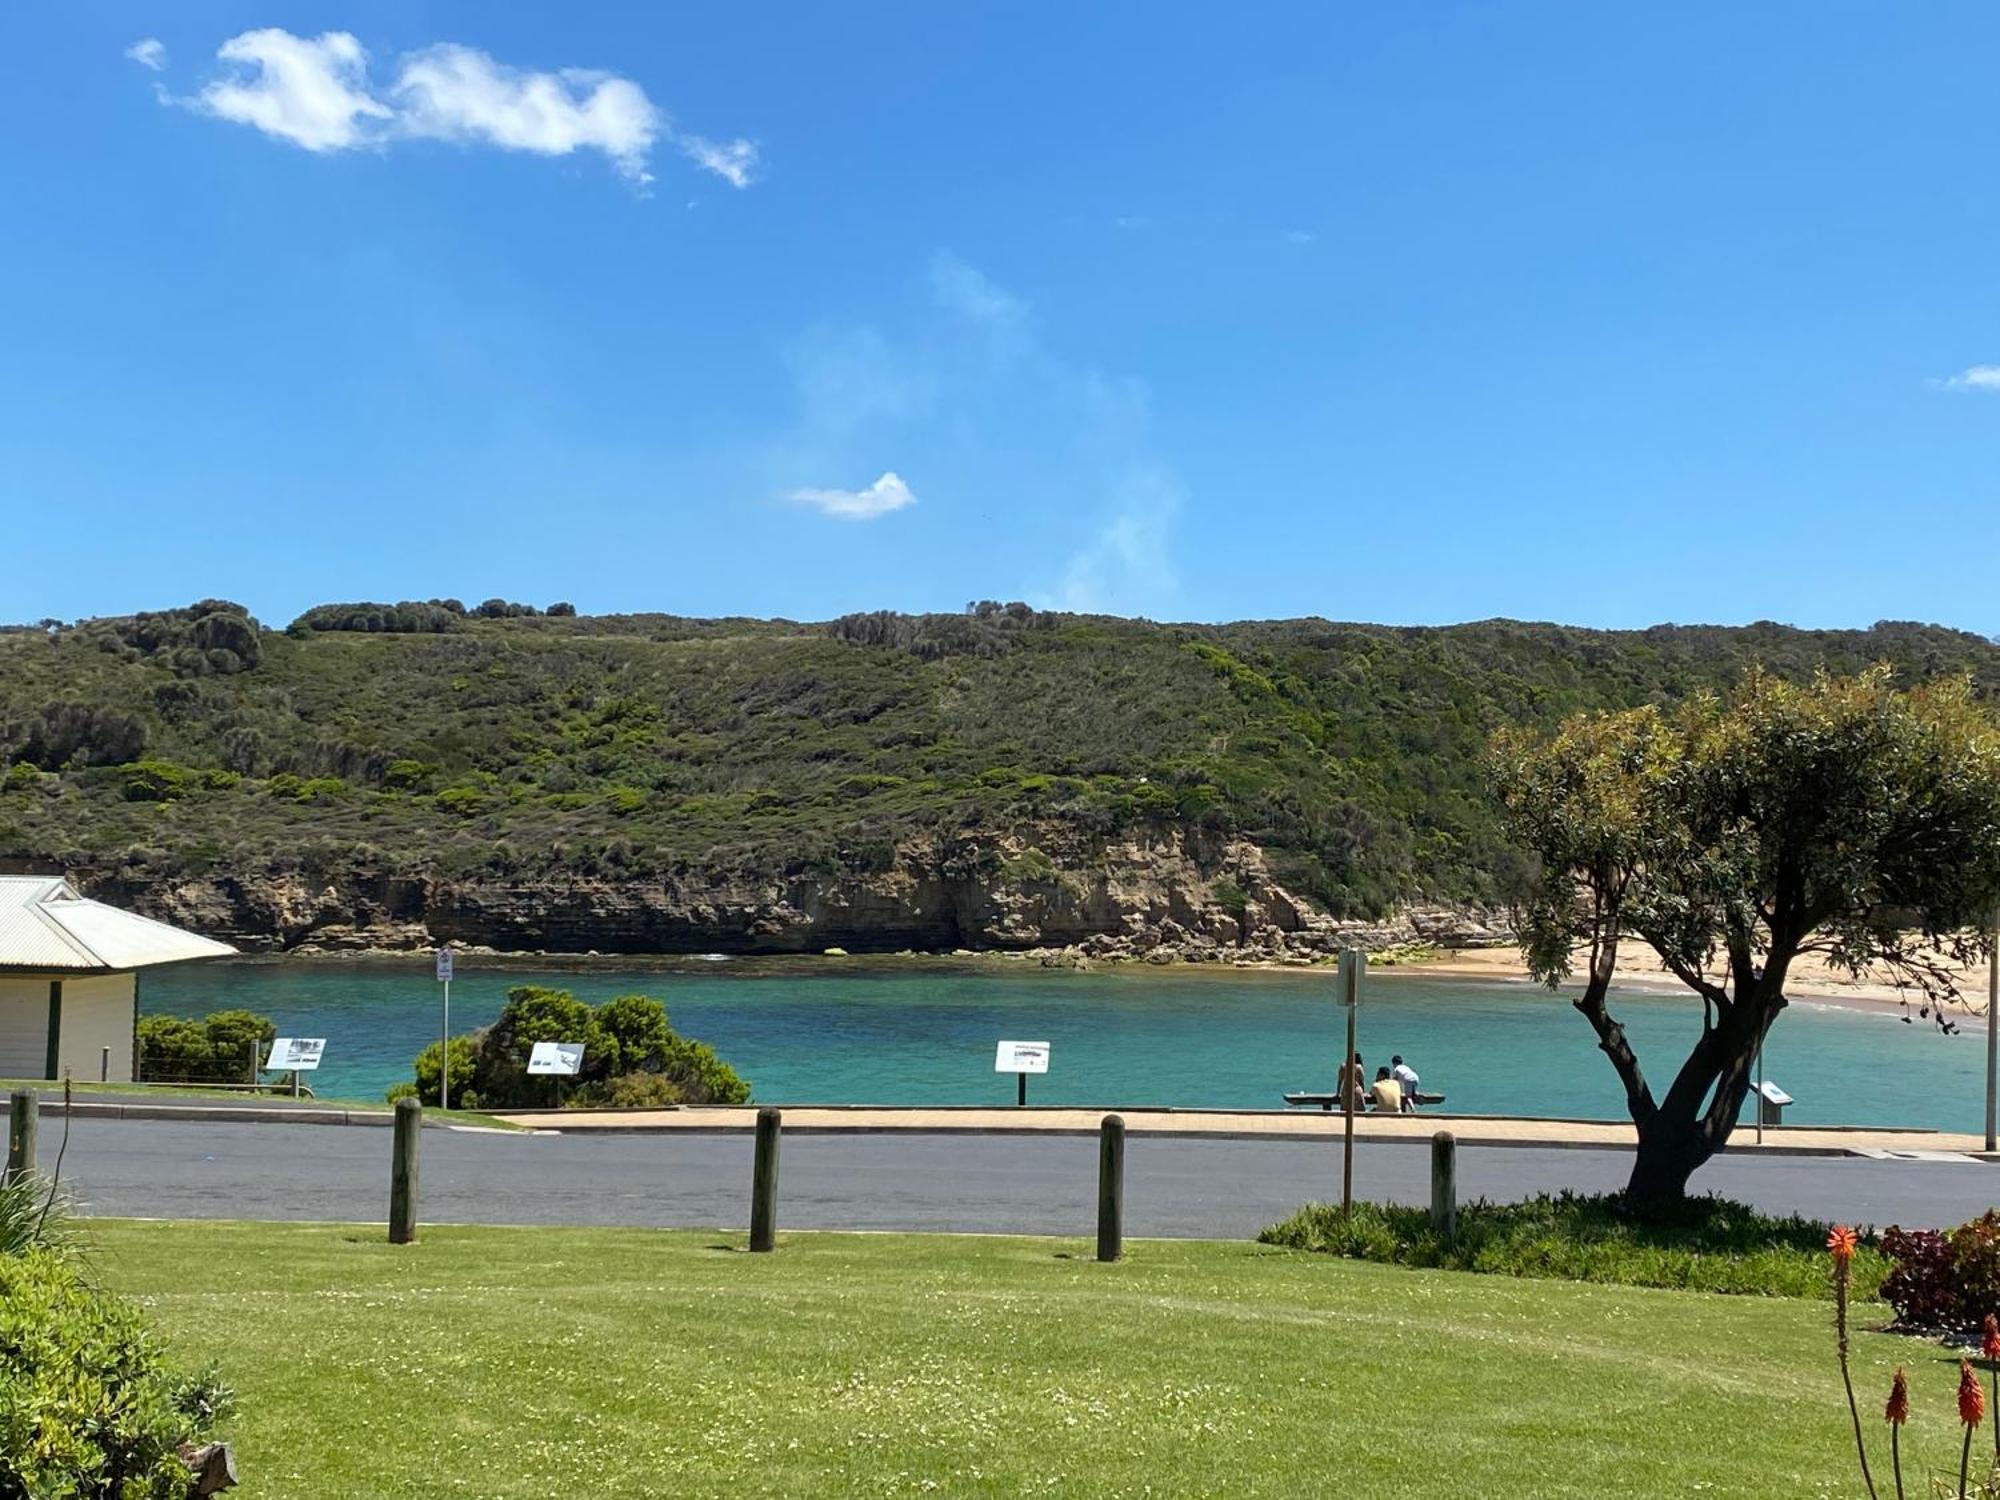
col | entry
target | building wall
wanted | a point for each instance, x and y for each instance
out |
(24, 1026)
(97, 1013)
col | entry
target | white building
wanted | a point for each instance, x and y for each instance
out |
(69, 978)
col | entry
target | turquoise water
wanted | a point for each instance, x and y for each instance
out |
(834, 1032)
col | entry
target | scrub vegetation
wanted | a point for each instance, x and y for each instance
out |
(1702, 1244)
(429, 738)
(528, 1362)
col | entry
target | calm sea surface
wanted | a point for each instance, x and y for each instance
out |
(843, 1032)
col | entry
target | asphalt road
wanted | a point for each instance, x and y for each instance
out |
(1175, 1187)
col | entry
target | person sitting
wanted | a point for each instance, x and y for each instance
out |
(1405, 1075)
(1351, 1086)
(1387, 1095)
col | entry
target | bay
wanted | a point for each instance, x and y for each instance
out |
(833, 1031)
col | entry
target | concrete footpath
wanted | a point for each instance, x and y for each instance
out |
(1292, 1124)
(1214, 1124)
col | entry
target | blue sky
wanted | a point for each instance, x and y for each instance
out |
(1414, 313)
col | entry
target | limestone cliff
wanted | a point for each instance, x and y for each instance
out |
(1174, 896)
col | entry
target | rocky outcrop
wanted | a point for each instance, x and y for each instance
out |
(1167, 898)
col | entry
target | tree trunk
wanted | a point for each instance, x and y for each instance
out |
(1669, 1152)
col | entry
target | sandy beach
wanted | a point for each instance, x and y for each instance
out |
(1639, 968)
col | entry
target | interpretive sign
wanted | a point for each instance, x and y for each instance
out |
(295, 1054)
(559, 1059)
(1022, 1057)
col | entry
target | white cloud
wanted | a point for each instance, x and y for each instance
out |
(735, 161)
(150, 52)
(311, 93)
(1977, 378)
(970, 292)
(886, 494)
(1061, 462)
(1299, 236)
(454, 93)
(316, 93)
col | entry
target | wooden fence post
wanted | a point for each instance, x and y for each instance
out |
(403, 1172)
(23, 1115)
(1111, 1189)
(764, 1182)
(1444, 1184)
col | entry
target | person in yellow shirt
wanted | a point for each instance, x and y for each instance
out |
(1387, 1094)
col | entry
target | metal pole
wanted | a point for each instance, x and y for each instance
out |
(1760, 1091)
(444, 1051)
(1992, 1030)
(1352, 962)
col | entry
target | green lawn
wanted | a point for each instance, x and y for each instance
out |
(532, 1362)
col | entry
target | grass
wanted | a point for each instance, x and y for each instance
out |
(1711, 1245)
(528, 1362)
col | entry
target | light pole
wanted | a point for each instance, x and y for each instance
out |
(1992, 1029)
(1352, 962)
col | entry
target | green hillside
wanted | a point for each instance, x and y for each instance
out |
(497, 744)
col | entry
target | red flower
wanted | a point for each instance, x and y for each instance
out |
(1898, 1409)
(1841, 1244)
(1971, 1396)
(1989, 1343)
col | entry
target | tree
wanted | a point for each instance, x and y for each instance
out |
(1842, 818)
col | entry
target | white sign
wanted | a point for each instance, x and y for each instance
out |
(564, 1059)
(444, 965)
(295, 1054)
(1022, 1057)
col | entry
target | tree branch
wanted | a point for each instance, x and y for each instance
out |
(1610, 1035)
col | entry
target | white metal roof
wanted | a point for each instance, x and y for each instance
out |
(46, 925)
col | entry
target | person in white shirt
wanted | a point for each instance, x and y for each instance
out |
(1406, 1076)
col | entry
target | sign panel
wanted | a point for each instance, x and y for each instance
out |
(1022, 1057)
(444, 965)
(295, 1054)
(563, 1059)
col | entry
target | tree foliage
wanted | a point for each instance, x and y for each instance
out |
(1842, 817)
(630, 1054)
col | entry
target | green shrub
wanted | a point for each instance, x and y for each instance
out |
(1708, 1244)
(408, 775)
(629, 1091)
(462, 801)
(216, 1049)
(34, 1215)
(89, 1407)
(701, 1076)
(464, 1064)
(163, 781)
(623, 1039)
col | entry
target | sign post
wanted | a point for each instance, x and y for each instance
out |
(295, 1055)
(444, 1028)
(555, 1061)
(1352, 962)
(1993, 1033)
(1021, 1059)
